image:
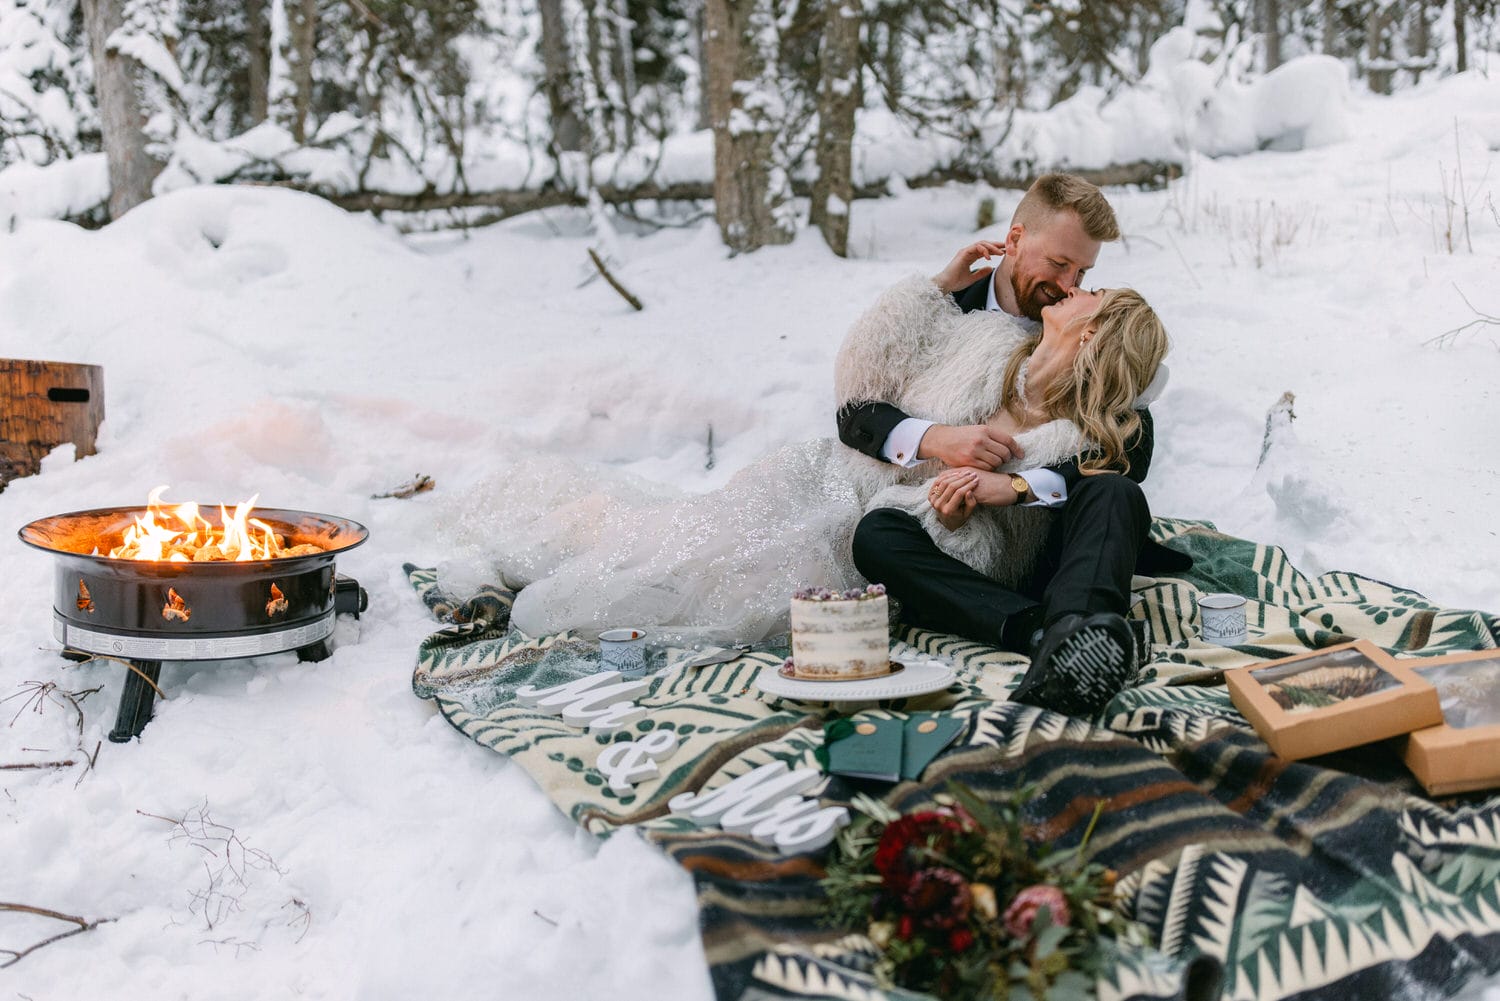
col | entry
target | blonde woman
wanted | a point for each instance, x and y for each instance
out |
(1096, 354)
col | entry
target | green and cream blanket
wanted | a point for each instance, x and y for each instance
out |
(1329, 878)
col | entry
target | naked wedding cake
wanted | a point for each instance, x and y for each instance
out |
(840, 636)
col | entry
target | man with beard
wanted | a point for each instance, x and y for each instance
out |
(1069, 617)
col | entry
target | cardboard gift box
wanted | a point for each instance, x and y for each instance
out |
(1333, 699)
(1462, 753)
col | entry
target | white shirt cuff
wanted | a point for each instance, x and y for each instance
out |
(901, 444)
(1050, 488)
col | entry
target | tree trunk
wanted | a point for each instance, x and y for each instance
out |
(257, 45)
(838, 98)
(1378, 69)
(752, 192)
(1331, 45)
(596, 62)
(1270, 11)
(1461, 33)
(700, 52)
(624, 67)
(1147, 32)
(118, 89)
(895, 70)
(1418, 40)
(302, 18)
(559, 81)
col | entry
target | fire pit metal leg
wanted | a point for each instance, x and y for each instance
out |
(315, 652)
(136, 702)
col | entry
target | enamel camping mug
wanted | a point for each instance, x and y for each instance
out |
(1223, 619)
(623, 650)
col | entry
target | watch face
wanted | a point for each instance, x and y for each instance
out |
(1019, 484)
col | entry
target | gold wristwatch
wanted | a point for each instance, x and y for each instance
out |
(1021, 487)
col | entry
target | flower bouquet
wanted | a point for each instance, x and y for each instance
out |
(961, 905)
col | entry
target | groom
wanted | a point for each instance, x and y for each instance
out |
(1070, 617)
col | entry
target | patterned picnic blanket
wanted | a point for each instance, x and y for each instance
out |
(1326, 878)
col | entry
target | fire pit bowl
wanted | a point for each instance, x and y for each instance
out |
(148, 611)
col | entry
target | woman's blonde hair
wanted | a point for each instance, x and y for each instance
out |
(1110, 372)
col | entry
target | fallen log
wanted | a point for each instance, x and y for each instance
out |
(507, 204)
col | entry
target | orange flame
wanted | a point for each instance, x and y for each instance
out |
(181, 535)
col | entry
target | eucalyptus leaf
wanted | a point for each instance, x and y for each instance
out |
(1051, 936)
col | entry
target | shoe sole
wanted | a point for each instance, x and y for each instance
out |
(1090, 668)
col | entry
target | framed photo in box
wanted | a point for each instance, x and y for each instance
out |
(1463, 753)
(1332, 699)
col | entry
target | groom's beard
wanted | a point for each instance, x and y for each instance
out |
(1032, 301)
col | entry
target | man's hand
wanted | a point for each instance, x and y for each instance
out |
(976, 445)
(994, 490)
(951, 495)
(957, 274)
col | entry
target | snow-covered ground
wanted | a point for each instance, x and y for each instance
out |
(262, 341)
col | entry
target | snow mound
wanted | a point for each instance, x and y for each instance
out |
(1300, 105)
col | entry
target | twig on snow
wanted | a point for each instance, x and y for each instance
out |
(69, 763)
(1481, 319)
(613, 282)
(83, 925)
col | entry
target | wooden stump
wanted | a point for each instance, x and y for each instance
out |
(44, 404)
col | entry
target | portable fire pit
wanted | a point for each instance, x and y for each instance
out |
(243, 602)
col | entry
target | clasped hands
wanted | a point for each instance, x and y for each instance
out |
(971, 452)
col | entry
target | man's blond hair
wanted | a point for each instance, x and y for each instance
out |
(1053, 193)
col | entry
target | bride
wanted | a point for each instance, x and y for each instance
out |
(721, 567)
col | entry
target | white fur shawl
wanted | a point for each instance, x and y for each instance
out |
(917, 350)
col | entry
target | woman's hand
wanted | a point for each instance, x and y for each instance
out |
(951, 494)
(957, 274)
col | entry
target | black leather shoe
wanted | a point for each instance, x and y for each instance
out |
(1079, 664)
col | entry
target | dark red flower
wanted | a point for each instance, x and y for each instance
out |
(938, 898)
(936, 829)
(906, 927)
(1021, 913)
(959, 939)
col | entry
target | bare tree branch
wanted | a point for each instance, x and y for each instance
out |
(1481, 319)
(83, 925)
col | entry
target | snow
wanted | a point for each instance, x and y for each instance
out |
(64, 189)
(259, 340)
(150, 53)
(1302, 104)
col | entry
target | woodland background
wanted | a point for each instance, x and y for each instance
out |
(645, 110)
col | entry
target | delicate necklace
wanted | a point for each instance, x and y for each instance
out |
(1021, 384)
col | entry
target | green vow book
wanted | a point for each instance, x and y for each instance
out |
(872, 751)
(927, 735)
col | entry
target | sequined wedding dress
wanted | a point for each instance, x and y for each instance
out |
(594, 550)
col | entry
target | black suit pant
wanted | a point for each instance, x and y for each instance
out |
(1091, 552)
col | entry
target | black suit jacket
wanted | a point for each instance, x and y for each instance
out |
(864, 425)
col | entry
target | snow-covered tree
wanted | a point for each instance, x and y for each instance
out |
(839, 96)
(45, 108)
(748, 108)
(138, 88)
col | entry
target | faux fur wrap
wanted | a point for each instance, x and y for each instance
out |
(918, 351)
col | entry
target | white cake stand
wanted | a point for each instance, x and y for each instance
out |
(917, 677)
